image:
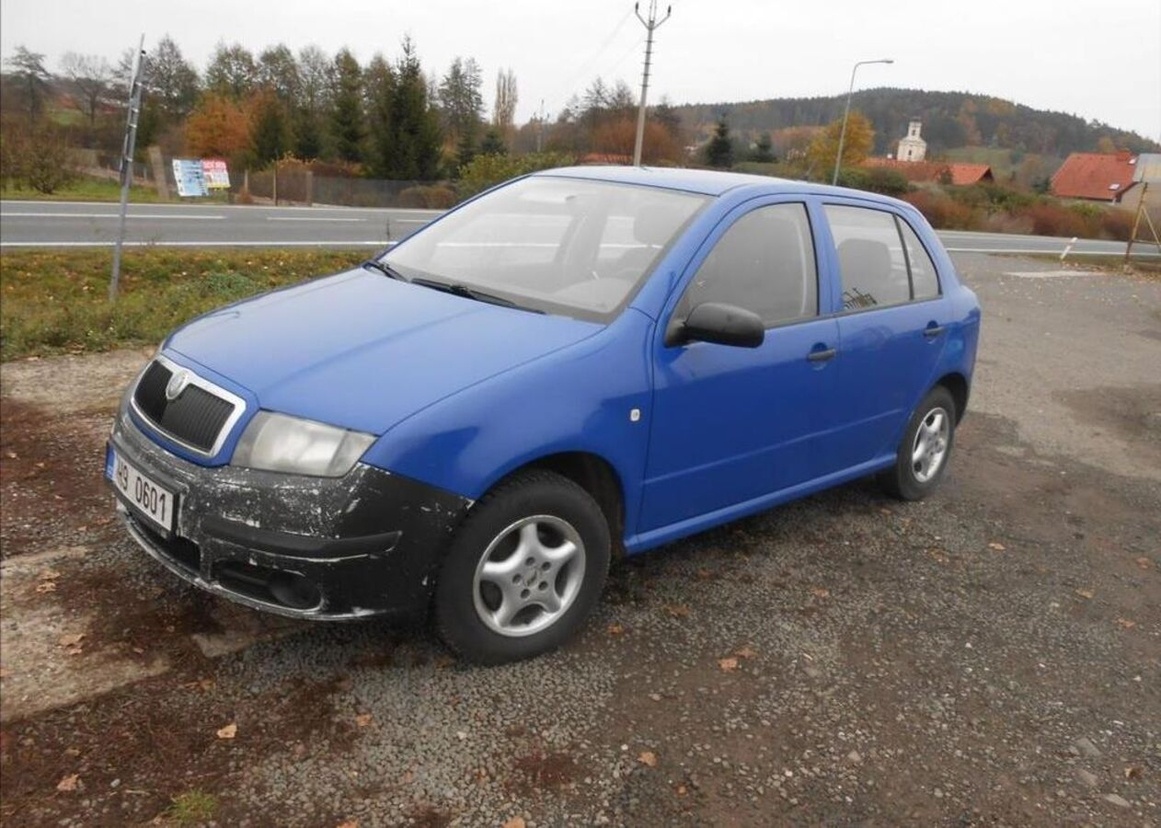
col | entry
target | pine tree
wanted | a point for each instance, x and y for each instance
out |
(719, 152)
(346, 119)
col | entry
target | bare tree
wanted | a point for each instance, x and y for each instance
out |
(91, 76)
(504, 110)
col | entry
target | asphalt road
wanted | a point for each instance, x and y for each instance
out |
(68, 224)
(74, 224)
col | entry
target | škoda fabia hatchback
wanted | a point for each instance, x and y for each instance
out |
(578, 364)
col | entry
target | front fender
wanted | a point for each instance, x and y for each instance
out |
(592, 397)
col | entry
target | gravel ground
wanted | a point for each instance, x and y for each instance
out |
(991, 656)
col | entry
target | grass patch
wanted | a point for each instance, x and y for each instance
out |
(54, 302)
(100, 189)
(192, 808)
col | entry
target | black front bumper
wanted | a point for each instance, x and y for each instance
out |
(369, 543)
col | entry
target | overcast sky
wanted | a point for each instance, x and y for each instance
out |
(1097, 60)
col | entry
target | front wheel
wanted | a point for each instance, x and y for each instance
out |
(922, 457)
(524, 570)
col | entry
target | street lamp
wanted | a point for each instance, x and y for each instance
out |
(846, 112)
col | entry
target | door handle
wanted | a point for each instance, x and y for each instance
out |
(822, 356)
(932, 331)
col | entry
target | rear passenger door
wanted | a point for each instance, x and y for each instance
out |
(892, 324)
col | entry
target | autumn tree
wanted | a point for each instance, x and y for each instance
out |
(218, 126)
(232, 71)
(857, 143)
(346, 118)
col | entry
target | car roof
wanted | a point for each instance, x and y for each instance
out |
(705, 182)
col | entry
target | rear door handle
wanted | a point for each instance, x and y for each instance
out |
(822, 356)
(932, 331)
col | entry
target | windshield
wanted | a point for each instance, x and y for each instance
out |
(558, 245)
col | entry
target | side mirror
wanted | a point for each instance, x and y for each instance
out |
(719, 323)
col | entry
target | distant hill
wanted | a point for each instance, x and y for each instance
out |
(951, 120)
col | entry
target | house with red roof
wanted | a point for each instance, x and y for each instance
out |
(959, 175)
(1095, 176)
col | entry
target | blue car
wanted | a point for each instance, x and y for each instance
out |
(579, 364)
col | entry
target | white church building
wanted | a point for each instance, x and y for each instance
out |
(912, 148)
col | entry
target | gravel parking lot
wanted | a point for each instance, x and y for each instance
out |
(991, 656)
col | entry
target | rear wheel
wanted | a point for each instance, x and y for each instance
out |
(524, 571)
(923, 454)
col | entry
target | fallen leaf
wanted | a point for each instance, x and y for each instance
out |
(704, 574)
(648, 757)
(1144, 563)
(46, 586)
(819, 592)
(745, 652)
(1133, 772)
(1126, 624)
(48, 575)
(1085, 593)
(996, 547)
(228, 732)
(886, 511)
(71, 639)
(616, 629)
(364, 719)
(728, 665)
(681, 790)
(514, 822)
(677, 610)
(69, 783)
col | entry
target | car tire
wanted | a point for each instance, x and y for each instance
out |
(923, 454)
(524, 570)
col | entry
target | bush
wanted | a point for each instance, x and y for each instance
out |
(38, 158)
(428, 197)
(1057, 220)
(943, 212)
(486, 171)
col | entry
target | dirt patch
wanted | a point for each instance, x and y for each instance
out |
(51, 477)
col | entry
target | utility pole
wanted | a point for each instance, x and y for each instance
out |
(651, 25)
(136, 86)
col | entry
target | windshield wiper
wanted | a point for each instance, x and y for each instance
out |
(457, 289)
(385, 269)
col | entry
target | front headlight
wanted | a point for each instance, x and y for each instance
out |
(277, 442)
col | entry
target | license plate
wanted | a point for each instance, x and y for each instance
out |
(142, 493)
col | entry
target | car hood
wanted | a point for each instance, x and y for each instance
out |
(363, 351)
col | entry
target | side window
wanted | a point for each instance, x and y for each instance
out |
(764, 263)
(872, 263)
(924, 281)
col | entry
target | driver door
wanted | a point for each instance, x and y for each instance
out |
(732, 425)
